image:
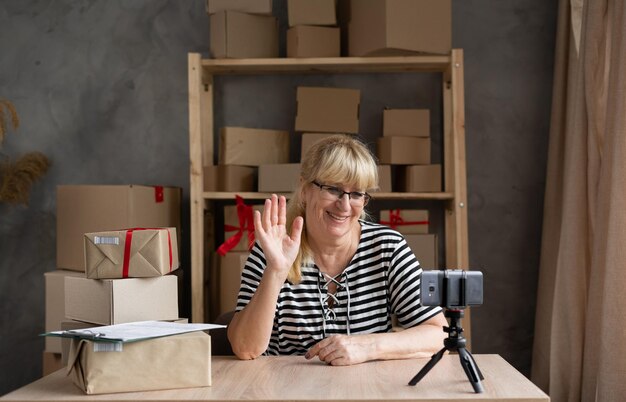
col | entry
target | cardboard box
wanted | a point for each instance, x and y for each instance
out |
(245, 6)
(307, 12)
(279, 178)
(406, 122)
(55, 305)
(132, 253)
(231, 225)
(403, 150)
(406, 221)
(398, 27)
(308, 139)
(68, 325)
(236, 35)
(84, 209)
(384, 179)
(253, 146)
(230, 269)
(312, 41)
(230, 178)
(424, 246)
(177, 361)
(116, 301)
(334, 110)
(210, 178)
(51, 362)
(419, 179)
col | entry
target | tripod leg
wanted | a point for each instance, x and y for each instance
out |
(471, 370)
(480, 375)
(431, 363)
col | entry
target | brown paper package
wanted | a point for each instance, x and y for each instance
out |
(178, 361)
(153, 252)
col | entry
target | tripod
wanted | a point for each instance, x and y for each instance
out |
(455, 342)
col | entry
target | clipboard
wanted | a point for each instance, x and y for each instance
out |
(132, 331)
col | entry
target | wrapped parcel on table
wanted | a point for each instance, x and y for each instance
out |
(131, 253)
(177, 361)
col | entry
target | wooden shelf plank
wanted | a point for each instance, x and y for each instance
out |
(215, 195)
(327, 65)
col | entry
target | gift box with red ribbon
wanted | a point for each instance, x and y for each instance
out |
(131, 253)
(406, 221)
(238, 226)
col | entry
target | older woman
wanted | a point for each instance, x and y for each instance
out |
(328, 287)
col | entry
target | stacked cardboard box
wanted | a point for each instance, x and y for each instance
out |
(241, 151)
(228, 280)
(398, 27)
(328, 110)
(384, 179)
(309, 139)
(406, 142)
(54, 314)
(70, 291)
(231, 178)
(242, 29)
(406, 221)
(312, 29)
(279, 178)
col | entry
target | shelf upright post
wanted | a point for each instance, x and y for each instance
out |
(457, 253)
(200, 145)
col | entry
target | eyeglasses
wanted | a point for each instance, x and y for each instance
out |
(336, 193)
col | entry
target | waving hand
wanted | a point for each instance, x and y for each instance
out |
(280, 248)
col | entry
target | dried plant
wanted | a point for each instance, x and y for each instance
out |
(18, 177)
(7, 108)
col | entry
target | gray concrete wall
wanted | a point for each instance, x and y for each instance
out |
(101, 88)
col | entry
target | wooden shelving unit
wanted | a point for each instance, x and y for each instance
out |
(201, 130)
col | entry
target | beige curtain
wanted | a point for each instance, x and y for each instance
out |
(580, 333)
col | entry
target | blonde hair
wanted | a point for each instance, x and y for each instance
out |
(338, 159)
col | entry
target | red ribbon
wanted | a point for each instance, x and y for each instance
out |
(245, 215)
(396, 220)
(129, 239)
(158, 194)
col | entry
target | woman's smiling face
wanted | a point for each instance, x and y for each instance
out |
(328, 217)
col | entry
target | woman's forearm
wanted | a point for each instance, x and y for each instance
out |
(250, 329)
(421, 341)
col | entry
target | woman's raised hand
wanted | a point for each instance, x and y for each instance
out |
(280, 248)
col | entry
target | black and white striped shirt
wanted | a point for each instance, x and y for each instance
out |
(383, 278)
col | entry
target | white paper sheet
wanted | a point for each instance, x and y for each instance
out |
(133, 331)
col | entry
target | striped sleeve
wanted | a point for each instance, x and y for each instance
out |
(405, 286)
(251, 276)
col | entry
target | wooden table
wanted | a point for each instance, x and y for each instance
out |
(292, 378)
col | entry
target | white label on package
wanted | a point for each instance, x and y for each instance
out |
(107, 346)
(106, 240)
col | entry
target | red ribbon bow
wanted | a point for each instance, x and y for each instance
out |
(396, 220)
(245, 215)
(129, 239)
